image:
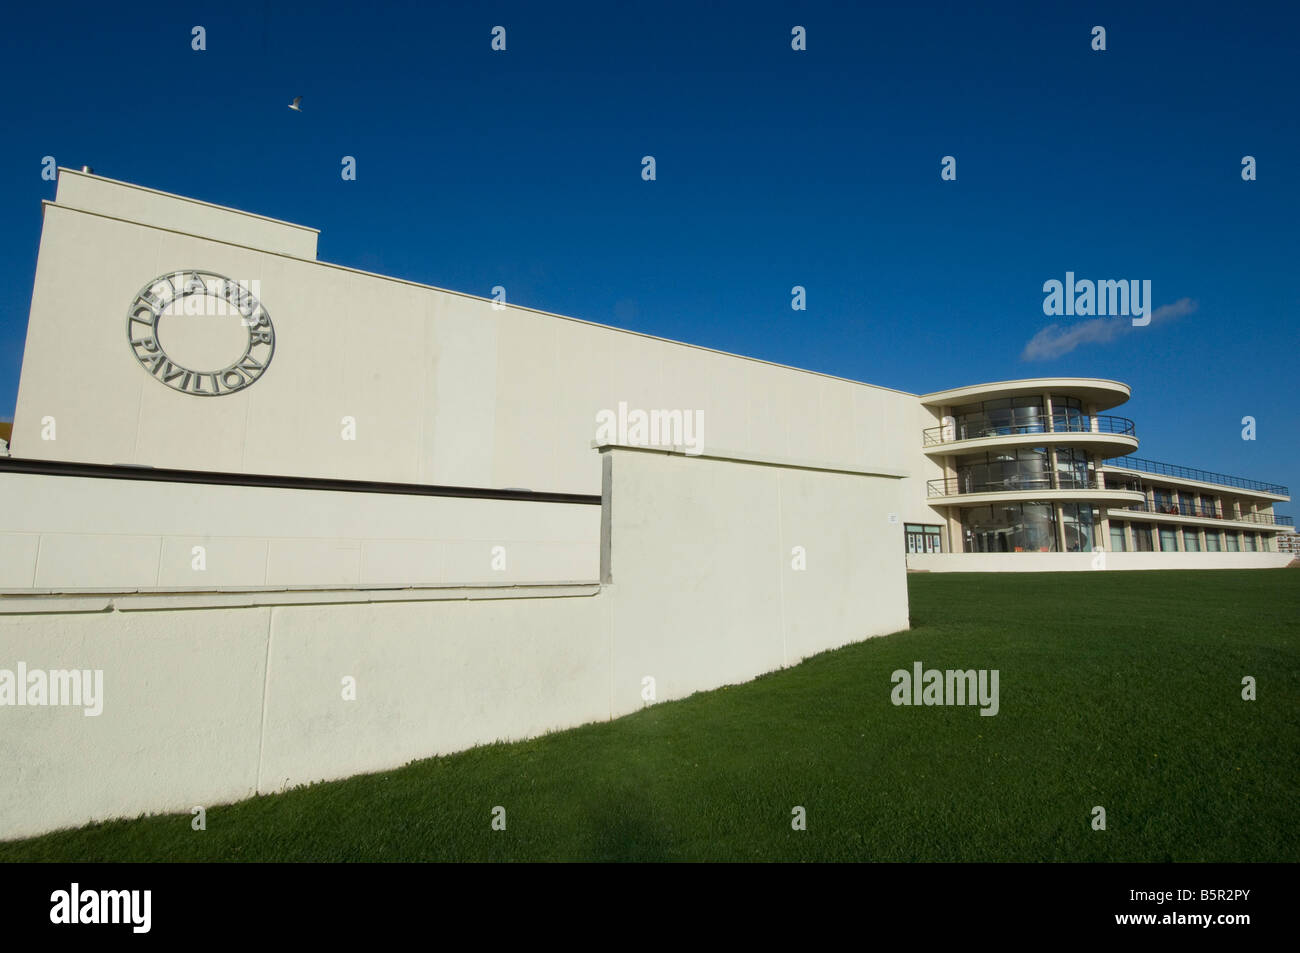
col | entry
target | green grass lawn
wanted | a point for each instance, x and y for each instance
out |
(1117, 689)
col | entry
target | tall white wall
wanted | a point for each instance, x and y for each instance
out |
(444, 388)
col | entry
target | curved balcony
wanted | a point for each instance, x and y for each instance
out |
(1098, 432)
(1061, 486)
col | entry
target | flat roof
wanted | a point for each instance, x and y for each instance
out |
(1105, 394)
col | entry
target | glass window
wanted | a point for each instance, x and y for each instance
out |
(1073, 467)
(1078, 526)
(1022, 468)
(1212, 541)
(1250, 541)
(1142, 537)
(1117, 543)
(1233, 545)
(1067, 414)
(997, 417)
(1168, 539)
(1191, 541)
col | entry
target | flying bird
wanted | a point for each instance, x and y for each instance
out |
(295, 104)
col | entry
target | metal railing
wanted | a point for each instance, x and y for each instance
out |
(958, 486)
(1201, 476)
(976, 426)
(1207, 512)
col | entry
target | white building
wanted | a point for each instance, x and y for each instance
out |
(447, 389)
(239, 477)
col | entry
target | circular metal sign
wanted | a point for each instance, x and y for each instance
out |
(206, 318)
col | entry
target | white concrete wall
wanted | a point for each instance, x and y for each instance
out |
(701, 580)
(1082, 562)
(444, 388)
(211, 697)
(204, 706)
(75, 533)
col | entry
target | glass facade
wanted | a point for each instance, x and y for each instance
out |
(1029, 528)
(1024, 468)
(1019, 415)
(1009, 528)
(1011, 415)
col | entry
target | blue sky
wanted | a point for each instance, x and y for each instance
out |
(774, 168)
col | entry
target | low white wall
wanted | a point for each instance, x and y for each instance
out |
(209, 705)
(701, 575)
(1081, 562)
(212, 697)
(75, 533)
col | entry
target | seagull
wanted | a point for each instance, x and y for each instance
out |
(294, 105)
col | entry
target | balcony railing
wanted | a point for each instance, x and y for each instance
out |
(1207, 512)
(958, 486)
(1201, 476)
(975, 426)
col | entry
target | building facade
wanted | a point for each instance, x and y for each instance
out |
(1039, 466)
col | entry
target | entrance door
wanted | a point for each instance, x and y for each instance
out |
(922, 538)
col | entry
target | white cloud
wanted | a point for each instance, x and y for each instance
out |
(1054, 340)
